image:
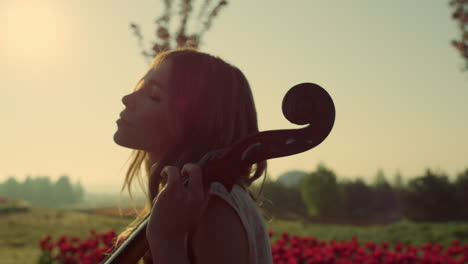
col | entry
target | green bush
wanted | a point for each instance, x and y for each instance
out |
(14, 206)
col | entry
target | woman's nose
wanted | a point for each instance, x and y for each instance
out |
(126, 100)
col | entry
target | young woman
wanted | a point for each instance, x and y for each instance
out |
(188, 104)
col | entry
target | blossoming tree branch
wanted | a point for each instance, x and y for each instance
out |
(181, 37)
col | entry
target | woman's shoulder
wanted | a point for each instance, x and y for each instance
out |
(217, 187)
(218, 222)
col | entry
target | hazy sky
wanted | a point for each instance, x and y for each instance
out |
(399, 92)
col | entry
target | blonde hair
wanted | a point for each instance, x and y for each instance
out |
(211, 108)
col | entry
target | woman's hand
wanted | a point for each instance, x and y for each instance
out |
(177, 208)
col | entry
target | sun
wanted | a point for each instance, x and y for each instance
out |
(32, 31)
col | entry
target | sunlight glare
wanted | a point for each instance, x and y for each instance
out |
(32, 31)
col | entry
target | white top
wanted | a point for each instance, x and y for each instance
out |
(252, 220)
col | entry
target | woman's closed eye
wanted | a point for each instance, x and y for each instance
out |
(153, 87)
(155, 96)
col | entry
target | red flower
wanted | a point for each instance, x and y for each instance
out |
(44, 243)
(370, 245)
(270, 233)
(63, 239)
(66, 247)
(455, 243)
(384, 245)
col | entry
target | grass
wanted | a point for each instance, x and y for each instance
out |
(20, 232)
(406, 232)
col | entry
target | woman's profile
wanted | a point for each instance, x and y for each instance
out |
(188, 104)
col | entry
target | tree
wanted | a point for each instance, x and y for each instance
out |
(40, 191)
(385, 199)
(460, 14)
(461, 193)
(430, 197)
(398, 187)
(379, 178)
(28, 190)
(78, 192)
(63, 191)
(44, 190)
(280, 200)
(11, 188)
(321, 193)
(291, 178)
(398, 183)
(165, 39)
(358, 199)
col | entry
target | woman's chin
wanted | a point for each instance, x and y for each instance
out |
(123, 141)
(120, 140)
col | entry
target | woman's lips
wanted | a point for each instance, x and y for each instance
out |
(120, 121)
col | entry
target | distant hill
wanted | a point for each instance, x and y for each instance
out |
(291, 178)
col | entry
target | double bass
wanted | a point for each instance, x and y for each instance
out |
(304, 103)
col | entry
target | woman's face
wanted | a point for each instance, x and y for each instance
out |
(144, 123)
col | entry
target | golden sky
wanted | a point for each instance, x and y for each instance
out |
(399, 93)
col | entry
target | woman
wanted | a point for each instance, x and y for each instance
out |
(188, 104)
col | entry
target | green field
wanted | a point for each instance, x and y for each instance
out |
(20, 232)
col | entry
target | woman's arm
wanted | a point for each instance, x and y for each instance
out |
(171, 251)
(220, 236)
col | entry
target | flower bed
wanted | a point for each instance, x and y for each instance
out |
(74, 250)
(288, 249)
(309, 250)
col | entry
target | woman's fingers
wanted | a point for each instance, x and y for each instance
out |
(193, 192)
(173, 176)
(195, 184)
(197, 197)
(177, 209)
